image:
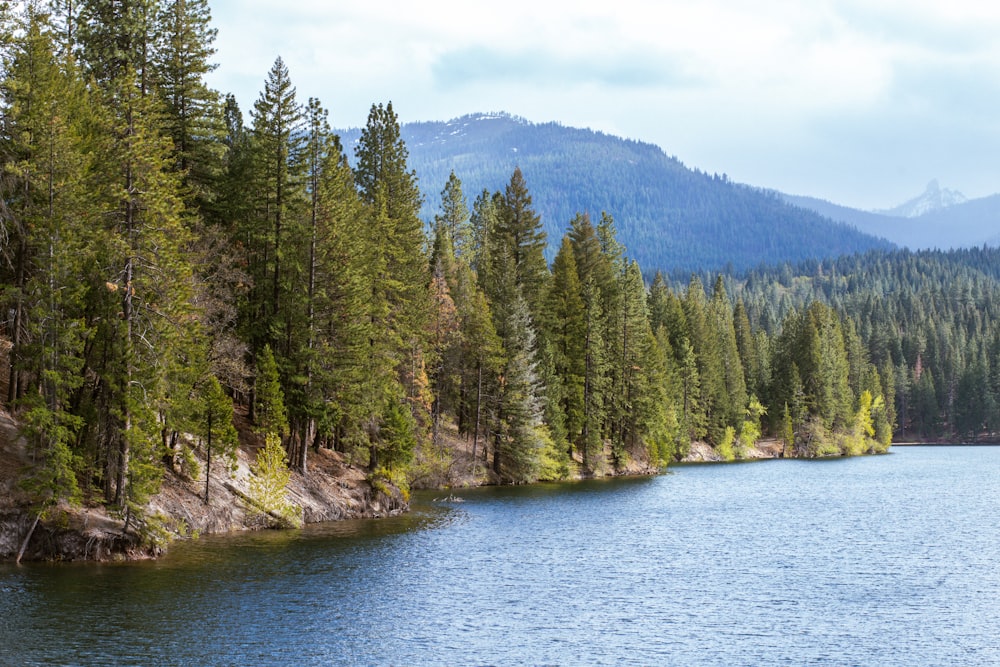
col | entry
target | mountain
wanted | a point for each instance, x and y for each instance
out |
(968, 224)
(669, 217)
(935, 198)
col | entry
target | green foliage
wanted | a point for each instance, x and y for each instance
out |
(750, 428)
(860, 438)
(553, 462)
(269, 483)
(54, 479)
(787, 428)
(214, 419)
(154, 248)
(455, 217)
(397, 437)
(725, 447)
(270, 399)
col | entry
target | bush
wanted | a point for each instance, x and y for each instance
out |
(268, 485)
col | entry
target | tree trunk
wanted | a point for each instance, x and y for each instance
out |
(24, 545)
(208, 455)
(479, 400)
(496, 443)
(13, 385)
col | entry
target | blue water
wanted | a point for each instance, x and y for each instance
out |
(890, 560)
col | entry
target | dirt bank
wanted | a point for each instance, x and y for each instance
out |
(331, 490)
(768, 448)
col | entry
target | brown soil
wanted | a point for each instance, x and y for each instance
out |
(457, 469)
(768, 448)
(332, 489)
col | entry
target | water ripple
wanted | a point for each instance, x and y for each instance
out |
(876, 561)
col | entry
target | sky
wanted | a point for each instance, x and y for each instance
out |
(860, 102)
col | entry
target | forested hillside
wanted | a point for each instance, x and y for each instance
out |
(166, 264)
(927, 320)
(672, 218)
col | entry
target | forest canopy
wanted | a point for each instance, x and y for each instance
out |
(167, 260)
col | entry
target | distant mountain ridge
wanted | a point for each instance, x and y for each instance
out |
(934, 198)
(669, 217)
(963, 224)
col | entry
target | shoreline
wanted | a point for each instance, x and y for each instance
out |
(332, 490)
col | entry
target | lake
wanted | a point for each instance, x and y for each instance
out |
(888, 560)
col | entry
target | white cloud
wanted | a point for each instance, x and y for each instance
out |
(784, 93)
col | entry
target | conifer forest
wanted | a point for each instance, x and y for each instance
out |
(168, 260)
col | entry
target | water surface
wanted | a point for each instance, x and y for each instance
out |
(889, 560)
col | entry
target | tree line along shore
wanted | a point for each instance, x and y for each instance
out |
(169, 272)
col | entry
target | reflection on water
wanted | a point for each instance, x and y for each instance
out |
(875, 561)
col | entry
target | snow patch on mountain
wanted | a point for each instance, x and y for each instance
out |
(934, 198)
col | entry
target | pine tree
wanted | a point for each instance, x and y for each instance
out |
(520, 432)
(519, 230)
(635, 339)
(481, 353)
(43, 226)
(269, 483)
(455, 218)
(45, 201)
(734, 400)
(182, 51)
(396, 269)
(692, 414)
(602, 313)
(116, 41)
(483, 222)
(704, 340)
(270, 399)
(149, 279)
(215, 425)
(277, 142)
(746, 345)
(659, 299)
(340, 317)
(301, 333)
(654, 405)
(567, 334)
(445, 347)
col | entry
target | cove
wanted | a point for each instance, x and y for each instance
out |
(887, 560)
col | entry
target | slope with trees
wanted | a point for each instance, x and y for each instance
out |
(671, 217)
(160, 282)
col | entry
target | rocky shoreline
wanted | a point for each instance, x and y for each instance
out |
(332, 490)
(768, 448)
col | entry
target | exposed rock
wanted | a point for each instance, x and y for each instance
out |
(331, 490)
(768, 448)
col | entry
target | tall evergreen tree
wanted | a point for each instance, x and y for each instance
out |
(182, 51)
(279, 192)
(567, 335)
(732, 405)
(519, 231)
(215, 425)
(43, 223)
(455, 218)
(397, 268)
(116, 39)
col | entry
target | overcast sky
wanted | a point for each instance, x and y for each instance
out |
(861, 102)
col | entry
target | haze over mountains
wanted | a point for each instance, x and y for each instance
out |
(933, 198)
(671, 217)
(937, 219)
